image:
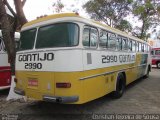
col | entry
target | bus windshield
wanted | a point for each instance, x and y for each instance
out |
(57, 35)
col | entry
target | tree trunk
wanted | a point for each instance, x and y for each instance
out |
(7, 34)
(19, 9)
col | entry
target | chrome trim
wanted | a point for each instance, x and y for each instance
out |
(106, 73)
(61, 99)
(142, 65)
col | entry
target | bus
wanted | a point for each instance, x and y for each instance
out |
(155, 54)
(5, 69)
(65, 58)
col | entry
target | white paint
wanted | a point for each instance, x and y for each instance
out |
(12, 94)
(73, 60)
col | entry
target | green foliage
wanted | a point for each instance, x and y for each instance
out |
(112, 12)
(148, 12)
(58, 6)
(124, 25)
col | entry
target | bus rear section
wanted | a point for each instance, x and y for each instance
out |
(55, 78)
(50, 69)
(5, 70)
(156, 57)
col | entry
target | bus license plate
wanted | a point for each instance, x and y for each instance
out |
(32, 82)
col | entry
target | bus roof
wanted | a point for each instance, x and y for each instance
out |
(17, 34)
(49, 17)
(81, 19)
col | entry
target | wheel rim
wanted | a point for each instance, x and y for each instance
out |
(158, 65)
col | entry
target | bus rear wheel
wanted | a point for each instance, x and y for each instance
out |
(120, 87)
(158, 65)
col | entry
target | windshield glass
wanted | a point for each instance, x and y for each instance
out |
(27, 39)
(57, 35)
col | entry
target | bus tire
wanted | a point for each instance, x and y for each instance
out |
(158, 65)
(120, 87)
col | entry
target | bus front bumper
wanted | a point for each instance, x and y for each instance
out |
(56, 99)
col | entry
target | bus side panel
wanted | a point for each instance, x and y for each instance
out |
(98, 86)
(5, 70)
(142, 61)
(5, 78)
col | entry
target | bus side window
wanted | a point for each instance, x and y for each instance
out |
(145, 48)
(142, 47)
(157, 52)
(86, 33)
(93, 37)
(119, 42)
(103, 39)
(137, 46)
(111, 41)
(133, 46)
(2, 46)
(124, 44)
(90, 37)
(130, 45)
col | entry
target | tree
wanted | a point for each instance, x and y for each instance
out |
(9, 26)
(58, 6)
(148, 12)
(112, 12)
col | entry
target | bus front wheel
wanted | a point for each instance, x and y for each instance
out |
(120, 87)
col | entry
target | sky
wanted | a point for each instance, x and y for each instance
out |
(36, 8)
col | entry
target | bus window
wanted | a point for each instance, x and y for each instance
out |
(93, 37)
(130, 45)
(145, 48)
(27, 39)
(119, 43)
(137, 46)
(2, 46)
(90, 37)
(157, 52)
(140, 47)
(111, 41)
(124, 44)
(86, 37)
(57, 35)
(133, 46)
(103, 39)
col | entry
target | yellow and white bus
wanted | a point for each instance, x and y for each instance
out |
(66, 58)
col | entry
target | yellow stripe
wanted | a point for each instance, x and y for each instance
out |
(50, 17)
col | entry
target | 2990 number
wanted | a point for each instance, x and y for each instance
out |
(109, 58)
(33, 66)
